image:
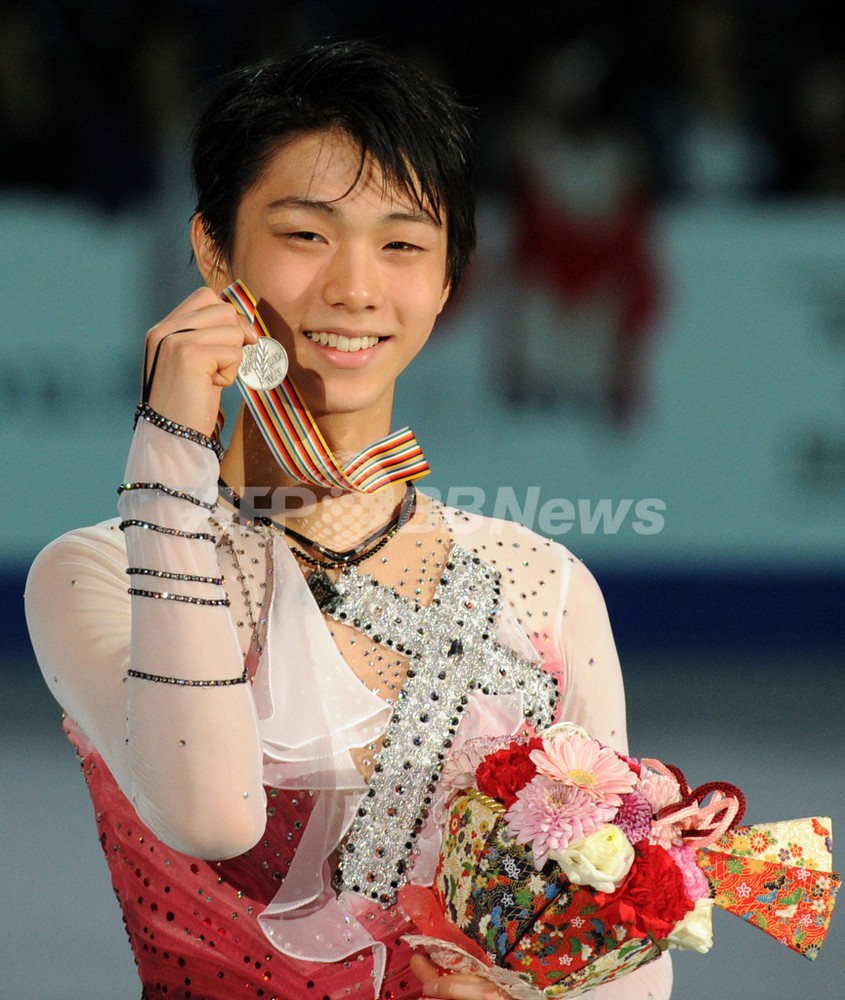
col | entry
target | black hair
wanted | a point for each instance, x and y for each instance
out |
(410, 124)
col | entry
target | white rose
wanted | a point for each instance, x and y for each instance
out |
(601, 860)
(695, 931)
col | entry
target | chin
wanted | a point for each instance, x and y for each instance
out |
(346, 396)
(346, 407)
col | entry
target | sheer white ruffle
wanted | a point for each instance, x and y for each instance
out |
(312, 712)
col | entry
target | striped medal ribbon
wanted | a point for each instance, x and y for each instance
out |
(294, 438)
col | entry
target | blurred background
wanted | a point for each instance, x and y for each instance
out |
(647, 363)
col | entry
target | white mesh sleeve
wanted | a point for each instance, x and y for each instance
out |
(594, 695)
(188, 758)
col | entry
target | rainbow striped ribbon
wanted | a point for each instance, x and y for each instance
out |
(294, 438)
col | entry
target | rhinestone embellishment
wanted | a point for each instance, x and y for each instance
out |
(452, 651)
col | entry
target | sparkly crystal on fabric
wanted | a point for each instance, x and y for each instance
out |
(452, 649)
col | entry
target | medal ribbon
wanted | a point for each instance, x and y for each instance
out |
(295, 440)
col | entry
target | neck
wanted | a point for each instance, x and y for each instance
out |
(339, 521)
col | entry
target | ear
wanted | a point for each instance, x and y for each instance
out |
(444, 298)
(213, 267)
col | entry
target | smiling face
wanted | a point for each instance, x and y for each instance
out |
(349, 275)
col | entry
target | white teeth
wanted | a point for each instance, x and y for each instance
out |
(341, 342)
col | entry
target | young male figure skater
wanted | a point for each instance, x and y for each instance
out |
(263, 716)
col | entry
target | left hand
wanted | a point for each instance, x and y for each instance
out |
(454, 985)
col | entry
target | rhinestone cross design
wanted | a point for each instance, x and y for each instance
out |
(453, 651)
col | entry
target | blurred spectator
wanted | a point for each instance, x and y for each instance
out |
(167, 94)
(710, 141)
(75, 87)
(818, 128)
(70, 118)
(587, 290)
(31, 116)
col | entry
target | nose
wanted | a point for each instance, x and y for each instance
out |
(352, 280)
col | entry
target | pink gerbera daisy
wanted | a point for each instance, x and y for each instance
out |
(550, 816)
(585, 764)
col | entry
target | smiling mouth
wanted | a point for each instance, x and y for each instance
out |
(340, 342)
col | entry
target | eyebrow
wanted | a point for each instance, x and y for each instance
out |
(328, 208)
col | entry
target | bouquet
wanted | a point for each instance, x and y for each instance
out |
(565, 865)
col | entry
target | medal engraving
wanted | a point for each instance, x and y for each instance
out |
(264, 365)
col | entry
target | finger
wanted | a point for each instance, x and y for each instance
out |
(189, 377)
(456, 986)
(196, 303)
(203, 313)
(452, 986)
(211, 349)
(199, 356)
(423, 968)
(209, 321)
(225, 376)
(210, 314)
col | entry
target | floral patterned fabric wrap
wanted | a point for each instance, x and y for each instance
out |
(565, 865)
(536, 923)
(779, 877)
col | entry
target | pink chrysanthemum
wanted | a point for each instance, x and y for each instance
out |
(660, 790)
(587, 765)
(695, 881)
(550, 816)
(634, 817)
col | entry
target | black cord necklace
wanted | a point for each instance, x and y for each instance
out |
(332, 559)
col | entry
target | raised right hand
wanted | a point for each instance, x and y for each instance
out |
(199, 347)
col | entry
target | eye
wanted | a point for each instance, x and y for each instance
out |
(305, 236)
(402, 245)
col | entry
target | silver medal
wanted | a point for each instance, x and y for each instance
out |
(264, 365)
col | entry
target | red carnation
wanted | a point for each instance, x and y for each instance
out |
(652, 898)
(504, 773)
